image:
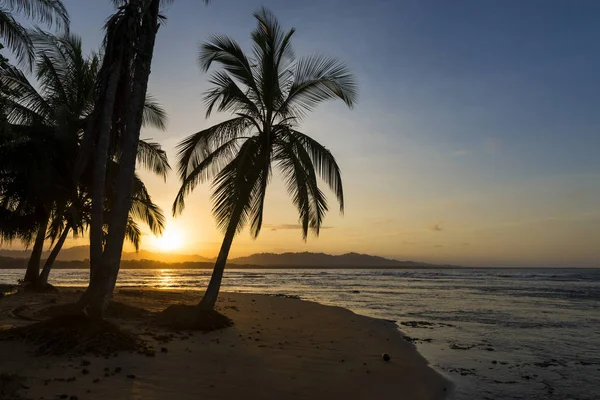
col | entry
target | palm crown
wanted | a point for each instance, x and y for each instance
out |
(270, 93)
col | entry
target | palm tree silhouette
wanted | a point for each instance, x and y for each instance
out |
(269, 92)
(15, 37)
(40, 155)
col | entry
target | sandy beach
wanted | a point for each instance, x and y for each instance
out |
(278, 348)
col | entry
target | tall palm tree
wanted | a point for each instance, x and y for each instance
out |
(15, 36)
(130, 37)
(50, 121)
(269, 93)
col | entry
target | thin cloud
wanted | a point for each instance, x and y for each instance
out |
(436, 227)
(289, 227)
(408, 243)
(460, 153)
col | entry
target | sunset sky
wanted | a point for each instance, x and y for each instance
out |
(475, 141)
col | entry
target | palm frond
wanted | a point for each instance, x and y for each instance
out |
(133, 233)
(228, 53)
(195, 148)
(324, 162)
(317, 79)
(235, 186)
(301, 182)
(228, 96)
(154, 114)
(151, 156)
(143, 209)
(16, 39)
(24, 95)
(48, 12)
(202, 169)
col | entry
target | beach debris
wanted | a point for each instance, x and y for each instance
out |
(185, 317)
(463, 371)
(455, 346)
(73, 397)
(10, 384)
(355, 291)
(386, 357)
(131, 376)
(118, 369)
(164, 350)
(85, 363)
(85, 371)
(424, 324)
(75, 335)
(287, 296)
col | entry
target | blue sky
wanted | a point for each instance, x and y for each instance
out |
(480, 118)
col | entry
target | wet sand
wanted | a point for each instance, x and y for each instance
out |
(278, 348)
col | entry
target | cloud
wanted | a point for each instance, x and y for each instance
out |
(436, 227)
(384, 221)
(492, 146)
(460, 153)
(288, 227)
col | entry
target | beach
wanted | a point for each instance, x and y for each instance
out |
(278, 347)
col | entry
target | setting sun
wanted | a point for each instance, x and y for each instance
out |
(172, 239)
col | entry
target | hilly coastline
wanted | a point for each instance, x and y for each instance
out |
(77, 257)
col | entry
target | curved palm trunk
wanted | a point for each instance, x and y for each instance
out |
(212, 291)
(33, 266)
(100, 161)
(43, 279)
(105, 276)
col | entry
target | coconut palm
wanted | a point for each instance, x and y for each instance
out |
(50, 122)
(129, 47)
(269, 93)
(78, 218)
(15, 36)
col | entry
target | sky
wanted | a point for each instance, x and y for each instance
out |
(475, 139)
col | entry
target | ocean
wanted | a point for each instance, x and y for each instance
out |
(496, 333)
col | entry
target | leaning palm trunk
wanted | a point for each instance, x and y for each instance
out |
(99, 174)
(212, 291)
(105, 276)
(269, 93)
(33, 266)
(42, 281)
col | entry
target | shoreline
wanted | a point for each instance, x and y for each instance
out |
(279, 347)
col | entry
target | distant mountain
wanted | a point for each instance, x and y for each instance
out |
(77, 257)
(79, 253)
(306, 259)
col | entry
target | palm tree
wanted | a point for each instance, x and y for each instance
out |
(129, 40)
(142, 209)
(15, 36)
(50, 121)
(269, 93)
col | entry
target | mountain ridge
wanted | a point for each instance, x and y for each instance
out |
(272, 260)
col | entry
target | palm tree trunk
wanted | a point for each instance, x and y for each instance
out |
(107, 272)
(43, 279)
(33, 266)
(212, 291)
(99, 174)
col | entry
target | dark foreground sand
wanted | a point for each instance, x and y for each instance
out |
(278, 348)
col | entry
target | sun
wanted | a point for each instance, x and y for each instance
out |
(171, 239)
